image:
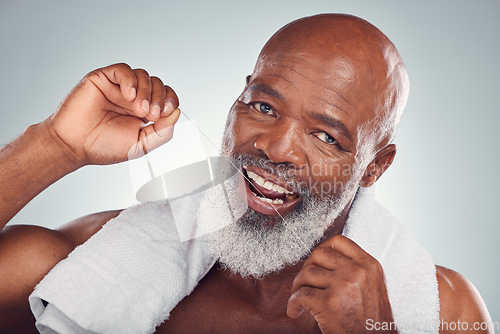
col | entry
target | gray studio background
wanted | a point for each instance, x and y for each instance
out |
(444, 181)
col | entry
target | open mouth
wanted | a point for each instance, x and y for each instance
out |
(267, 194)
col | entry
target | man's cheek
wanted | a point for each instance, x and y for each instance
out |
(328, 189)
(323, 188)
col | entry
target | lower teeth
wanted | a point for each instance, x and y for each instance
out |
(268, 200)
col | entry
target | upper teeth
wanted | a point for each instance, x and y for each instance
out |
(266, 184)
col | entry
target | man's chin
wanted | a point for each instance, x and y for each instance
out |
(259, 223)
(258, 245)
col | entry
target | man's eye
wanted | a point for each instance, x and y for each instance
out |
(326, 138)
(264, 108)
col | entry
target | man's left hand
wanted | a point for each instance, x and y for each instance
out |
(343, 287)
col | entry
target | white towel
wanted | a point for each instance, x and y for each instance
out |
(409, 270)
(131, 274)
(125, 279)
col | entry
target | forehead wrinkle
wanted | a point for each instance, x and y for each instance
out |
(281, 77)
(333, 105)
(342, 97)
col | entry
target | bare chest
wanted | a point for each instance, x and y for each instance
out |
(232, 321)
(216, 307)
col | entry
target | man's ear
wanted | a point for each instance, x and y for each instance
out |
(383, 159)
(247, 80)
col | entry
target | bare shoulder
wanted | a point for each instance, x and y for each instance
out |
(79, 230)
(460, 304)
(28, 253)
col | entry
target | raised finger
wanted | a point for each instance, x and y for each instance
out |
(123, 76)
(171, 101)
(158, 95)
(143, 99)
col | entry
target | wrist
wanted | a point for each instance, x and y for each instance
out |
(52, 150)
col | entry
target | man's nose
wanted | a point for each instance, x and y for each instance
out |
(282, 143)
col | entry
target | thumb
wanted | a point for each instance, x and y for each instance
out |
(294, 308)
(154, 135)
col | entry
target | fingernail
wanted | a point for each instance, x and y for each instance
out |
(169, 107)
(145, 105)
(133, 93)
(155, 111)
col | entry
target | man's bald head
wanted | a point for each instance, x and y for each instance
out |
(362, 57)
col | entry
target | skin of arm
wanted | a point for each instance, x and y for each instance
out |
(29, 164)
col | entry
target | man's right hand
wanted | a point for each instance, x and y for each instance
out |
(104, 118)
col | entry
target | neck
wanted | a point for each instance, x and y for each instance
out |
(270, 294)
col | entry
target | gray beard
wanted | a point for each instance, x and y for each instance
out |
(255, 245)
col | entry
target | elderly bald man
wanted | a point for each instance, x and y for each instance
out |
(327, 90)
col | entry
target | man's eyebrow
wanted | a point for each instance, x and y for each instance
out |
(266, 89)
(333, 123)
